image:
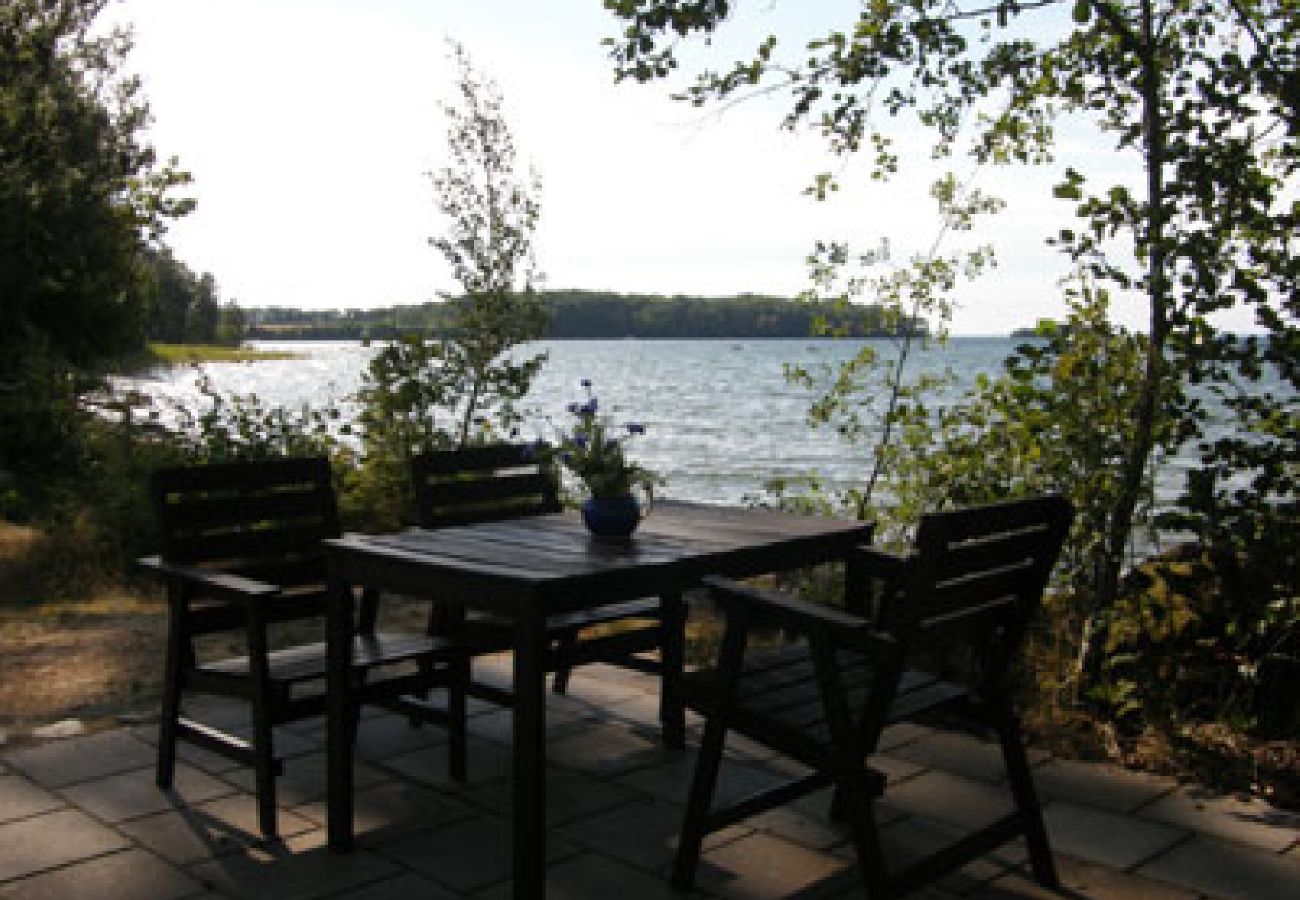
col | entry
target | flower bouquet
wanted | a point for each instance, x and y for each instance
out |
(593, 450)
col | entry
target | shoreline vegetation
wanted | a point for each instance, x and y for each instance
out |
(575, 314)
(185, 354)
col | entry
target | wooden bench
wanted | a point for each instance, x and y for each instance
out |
(934, 631)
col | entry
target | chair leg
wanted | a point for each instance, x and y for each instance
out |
(171, 699)
(563, 652)
(731, 657)
(458, 679)
(852, 798)
(263, 739)
(700, 800)
(1026, 798)
(672, 644)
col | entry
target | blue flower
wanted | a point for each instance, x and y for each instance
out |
(611, 443)
(586, 382)
(635, 428)
(573, 408)
(580, 441)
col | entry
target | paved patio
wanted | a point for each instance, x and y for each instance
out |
(80, 818)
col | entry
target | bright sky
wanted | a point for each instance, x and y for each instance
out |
(309, 126)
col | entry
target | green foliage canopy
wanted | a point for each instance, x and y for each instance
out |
(80, 190)
(81, 193)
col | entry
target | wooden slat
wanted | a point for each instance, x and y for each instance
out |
(200, 512)
(498, 489)
(250, 475)
(468, 459)
(955, 526)
(444, 517)
(249, 545)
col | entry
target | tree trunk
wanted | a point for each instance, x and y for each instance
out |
(1147, 413)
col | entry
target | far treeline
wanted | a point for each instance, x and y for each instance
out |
(582, 314)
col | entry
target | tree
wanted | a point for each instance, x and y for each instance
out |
(1203, 95)
(186, 308)
(80, 195)
(422, 392)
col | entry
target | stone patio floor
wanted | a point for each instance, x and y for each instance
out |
(80, 818)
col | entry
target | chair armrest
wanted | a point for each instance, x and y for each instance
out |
(221, 585)
(798, 615)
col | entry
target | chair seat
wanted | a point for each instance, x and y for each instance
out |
(778, 700)
(306, 662)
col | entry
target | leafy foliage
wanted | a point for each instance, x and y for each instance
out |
(1202, 97)
(594, 449)
(869, 396)
(420, 393)
(184, 308)
(80, 194)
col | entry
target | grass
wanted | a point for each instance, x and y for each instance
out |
(183, 354)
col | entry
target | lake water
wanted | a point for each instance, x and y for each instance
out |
(720, 417)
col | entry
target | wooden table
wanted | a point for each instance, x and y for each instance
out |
(527, 569)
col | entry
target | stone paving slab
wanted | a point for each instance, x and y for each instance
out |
(81, 817)
(406, 886)
(1082, 881)
(907, 839)
(64, 762)
(1106, 838)
(958, 754)
(670, 779)
(1100, 784)
(469, 855)
(642, 834)
(604, 749)
(762, 866)
(589, 876)
(1226, 870)
(487, 762)
(20, 798)
(1253, 822)
(392, 810)
(54, 839)
(568, 796)
(131, 873)
(304, 778)
(129, 795)
(950, 798)
(299, 869)
(208, 830)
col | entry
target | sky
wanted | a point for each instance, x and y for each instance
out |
(309, 127)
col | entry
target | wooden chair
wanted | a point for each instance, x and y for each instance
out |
(240, 550)
(967, 590)
(508, 481)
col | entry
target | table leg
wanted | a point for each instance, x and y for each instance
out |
(529, 762)
(672, 715)
(339, 714)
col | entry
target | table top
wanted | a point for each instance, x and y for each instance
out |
(553, 556)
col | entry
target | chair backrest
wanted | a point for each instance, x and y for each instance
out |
(483, 484)
(980, 569)
(263, 519)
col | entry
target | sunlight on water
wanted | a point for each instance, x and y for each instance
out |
(720, 417)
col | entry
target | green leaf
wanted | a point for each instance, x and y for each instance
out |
(1082, 12)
